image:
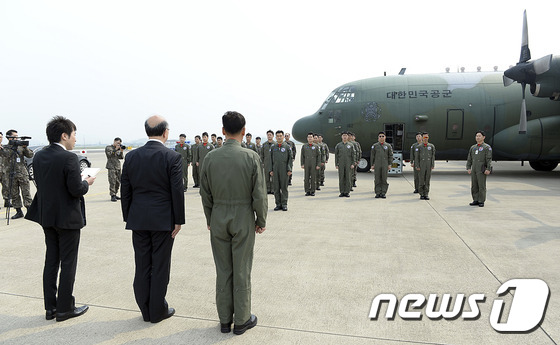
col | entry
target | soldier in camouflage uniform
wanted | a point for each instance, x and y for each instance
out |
(311, 163)
(424, 161)
(412, 150)
(4, 187)
(197, 141)
(280, 169)
(267, 146)
(234, 199)
(201, 151)
(344, 160)
(20, 180)
(325, 159)
(186, 156)
(293, 147)
(479, 165)
(114, 154)
(381, 158)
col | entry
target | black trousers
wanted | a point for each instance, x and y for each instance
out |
(62, 251)
(152, 256)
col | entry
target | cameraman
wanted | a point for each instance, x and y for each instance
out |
(114, 153)
(16, 152)
(2, 175)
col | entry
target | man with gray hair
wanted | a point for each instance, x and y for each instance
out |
(153, 207)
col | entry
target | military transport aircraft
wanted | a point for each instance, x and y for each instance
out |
(452, 107)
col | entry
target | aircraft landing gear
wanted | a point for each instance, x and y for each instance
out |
(543, 165)
(363, 164)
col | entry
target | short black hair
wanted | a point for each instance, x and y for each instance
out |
(481, 132)
(118, 139)
(219, 138)
(9, 132)
(58, 125)
(280, 131)
(269, 131)
(157, 130)
(258, 138)
(197, 136)
(310, 133)
(213, 135)
(249, 135)
(205, 134)
(424, 133)
(182, 135)
(419, 133)
(233, 122)
(381, 133)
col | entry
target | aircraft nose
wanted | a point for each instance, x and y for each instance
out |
(303, 126)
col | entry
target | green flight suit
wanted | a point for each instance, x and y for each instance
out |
(113, 166)
(310, 160)
(233, 194)
(381, 158)
(267, 164)
(425, 158)
(200, 153)
(194, 158)
(324, 159)
(416, 172)
(281, 163)
(479, 160)
(186, 156)
(358, 149)
(344, 157)
(20, 181)
(251, 146)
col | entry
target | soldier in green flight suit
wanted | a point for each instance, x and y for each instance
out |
(344, 160)
(280, 170)
(324, 160)
(185, 151)
(200, 152)
(266, 147)
(293, 147)
(248, 144)
(310, 162)
(233, 194)
(358, 148)
(114, 155)
(412, 150)
(479, 165)
(381, 160)
(321, 161)
(194, 160)
(424, 161)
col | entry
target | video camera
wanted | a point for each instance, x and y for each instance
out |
(18, 141)
(122, 147)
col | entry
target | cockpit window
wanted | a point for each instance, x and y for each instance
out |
(344, 94)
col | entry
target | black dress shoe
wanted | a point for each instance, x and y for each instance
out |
(474, 203)
(50, 314)
(170, 313)
(225, 327)
(480, 204)
(383, 196)
(195, 186)
(113, 198)
(118, 197)
(318, 188)
(422, 197)
(70, 314)
(377, 196)
(284, 208)
(341, 195)
(347, 195)
(247, 325)
(311, 194)
(426, 198)
(307, 194)
(277, 208)
(415, 191)
(322, 184)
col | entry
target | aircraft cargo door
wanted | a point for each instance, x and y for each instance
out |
(455, 118)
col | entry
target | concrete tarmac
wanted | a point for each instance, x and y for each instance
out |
(317, 268)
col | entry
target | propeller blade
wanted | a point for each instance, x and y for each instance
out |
(523, 117)
(525, 52)
(542, 65)
(507, 81)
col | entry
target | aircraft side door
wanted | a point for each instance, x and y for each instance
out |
(455, 122)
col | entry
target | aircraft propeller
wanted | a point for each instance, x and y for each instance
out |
(525, 72)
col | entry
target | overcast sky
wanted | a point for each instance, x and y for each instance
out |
(108, 65)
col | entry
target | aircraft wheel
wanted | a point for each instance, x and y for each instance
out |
(363, 165)
(543, 165)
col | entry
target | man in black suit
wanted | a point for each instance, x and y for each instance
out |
(59, 207)
(153, 207)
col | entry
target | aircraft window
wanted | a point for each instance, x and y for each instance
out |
(344, 94)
